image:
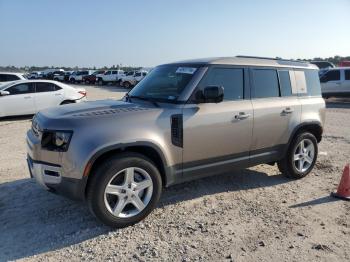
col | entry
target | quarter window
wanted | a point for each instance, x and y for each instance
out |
(44, 87)
(265, 83)
(21, 89)
(231, 79)
(285, 85)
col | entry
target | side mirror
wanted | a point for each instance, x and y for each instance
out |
(213, 94)
(4, 93)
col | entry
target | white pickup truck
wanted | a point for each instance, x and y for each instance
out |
(110, 76)
(132, 79)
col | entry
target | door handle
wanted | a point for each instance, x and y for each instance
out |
(27, 97)
(58, 94)
(288, 110)
(241, 116)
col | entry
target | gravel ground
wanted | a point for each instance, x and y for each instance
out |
(250, 215)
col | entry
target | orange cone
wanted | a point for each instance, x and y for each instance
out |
(343, 191)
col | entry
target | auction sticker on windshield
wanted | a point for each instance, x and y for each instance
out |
(186, 70)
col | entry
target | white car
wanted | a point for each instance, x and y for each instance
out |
(34, 75)
(26, 97)
(77, 76)
(132, 79)
(336, 82)
(7, 77)
(110, 76)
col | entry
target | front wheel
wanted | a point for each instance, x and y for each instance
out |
(124, 189)
(300, 157)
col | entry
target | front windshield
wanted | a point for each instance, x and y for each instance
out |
(164, 82)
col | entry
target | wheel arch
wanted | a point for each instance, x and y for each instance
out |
(314, 127)
(150, 150)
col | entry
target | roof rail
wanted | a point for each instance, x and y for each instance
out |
(269, 58)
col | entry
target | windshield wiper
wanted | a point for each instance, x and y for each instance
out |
(153, 101)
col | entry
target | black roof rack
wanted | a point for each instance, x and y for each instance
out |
(269, 58)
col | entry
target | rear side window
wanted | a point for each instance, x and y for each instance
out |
(312, 83)
(332, 75)
(285, 85)
(231, 79)
(347, 74)
(44, 87)
(21, 89)
(265, 83)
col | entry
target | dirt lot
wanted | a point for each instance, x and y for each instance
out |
(249, 215)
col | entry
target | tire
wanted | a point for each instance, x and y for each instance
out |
(100, 82)
(113, 172)
(305, 160)
(126, 84)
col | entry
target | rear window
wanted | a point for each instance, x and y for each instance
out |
(45, 87)
(312, 82)
(265, 83)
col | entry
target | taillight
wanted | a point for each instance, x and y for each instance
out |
(82, 93)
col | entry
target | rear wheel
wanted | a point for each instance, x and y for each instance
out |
(301, 156)
(124, 189)
(126, 84)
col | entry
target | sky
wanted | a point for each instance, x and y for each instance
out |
(147, 33)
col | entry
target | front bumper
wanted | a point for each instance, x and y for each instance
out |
(51, 176)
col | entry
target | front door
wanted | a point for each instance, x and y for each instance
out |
(217, 136)
(20, 101)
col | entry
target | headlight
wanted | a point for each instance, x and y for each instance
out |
(56, 140)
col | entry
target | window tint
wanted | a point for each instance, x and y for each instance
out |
(312, 83)
(265, 83)
(347, 74)
(285, 85)
(231, 79)
(21, 89)
(57, 87)
(6, 77)
(144, 74)
(44, 87)
(138, 74)
(332, 75)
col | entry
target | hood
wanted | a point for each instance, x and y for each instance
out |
(93, 109)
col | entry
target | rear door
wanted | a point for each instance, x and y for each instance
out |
(276, 111)
(217, 136)
(47, 95)
(346, 83)
(20, 101)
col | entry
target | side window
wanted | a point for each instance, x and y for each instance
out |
(285, 84)
(57, 87)
(44, 87)
(21, 89)
(312, 83)
(231, 79)
(331, 75)
(114, 72)
(138, 74)
(108, 73)
(347, 74)
(143, 74)
(11, 78)
(265, 83)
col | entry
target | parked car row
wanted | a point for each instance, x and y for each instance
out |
(100, 77)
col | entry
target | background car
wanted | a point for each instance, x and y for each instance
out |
(91, 79)
(336, 82)
(77, 76)
(110, 76)
(25, 97)
(7, 77)
(59, 76)
(132, 79)
(34, 75)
